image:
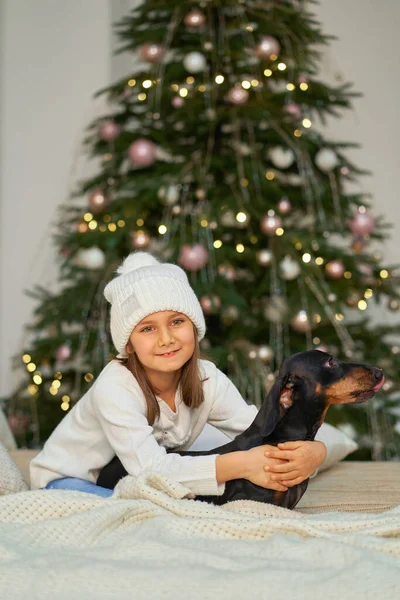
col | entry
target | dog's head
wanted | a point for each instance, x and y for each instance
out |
(316, 375)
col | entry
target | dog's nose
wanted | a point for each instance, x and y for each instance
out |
(377, 373)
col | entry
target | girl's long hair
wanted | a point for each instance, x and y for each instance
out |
(190, 382)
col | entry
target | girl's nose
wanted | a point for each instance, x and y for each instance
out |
(165, 337)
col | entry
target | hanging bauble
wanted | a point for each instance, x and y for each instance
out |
(210, 304)
(194, 62)
(142, 152)
(227, 271)
(108, 130)
(230, 314)
(300, 322)
(238, 95)
(98, 201)
(193, 258)
(276, 309)
(269, 224)
(169, 195)
(363, 223)
(140, 239)
(63, 352)
(282, 158)
(195, 19)
(335, 269)
(284, 206)
(265, 353)
(293, 109)
(394, 305)
(289, 268)
(264, 257)
(326, 160)
(90, 258)
(177, 102)
(228, 219)
(152, 52)
(268, 48)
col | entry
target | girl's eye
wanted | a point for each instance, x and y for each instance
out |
(178, 321)
(147, 328)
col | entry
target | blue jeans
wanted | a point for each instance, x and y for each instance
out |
(78, 485)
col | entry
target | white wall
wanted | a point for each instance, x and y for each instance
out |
(56, 54)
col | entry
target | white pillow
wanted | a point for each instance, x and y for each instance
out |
(6, 436)
(11, 480)
(338, 445)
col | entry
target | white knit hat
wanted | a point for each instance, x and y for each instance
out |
(144, 286)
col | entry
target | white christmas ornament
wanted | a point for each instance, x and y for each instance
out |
(289, 268)
(90, 258)
(194, 62)
(282, 158)
(326, 160)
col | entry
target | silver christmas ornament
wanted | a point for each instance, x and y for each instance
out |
(289, 268)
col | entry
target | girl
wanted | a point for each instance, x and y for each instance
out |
(158, 394)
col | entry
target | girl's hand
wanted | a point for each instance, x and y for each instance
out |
(300, 459)
(259, 468)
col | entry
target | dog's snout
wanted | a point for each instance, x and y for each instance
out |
(377, 373)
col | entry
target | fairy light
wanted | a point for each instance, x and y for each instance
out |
(31, 367)
(219, 79)
(190, 80)
(306, 123)
(204, 223)
(142, 96)
(282, 66)
(202, 88)
(132, 82)
(270, 175)
(56, 383)
(217, 244)
(88, 377)
(112, 227)
(319, 261)
(368, 293)
(254, 239)
(64, 406)
(183, 92)
(297, 133)
(241, 217)
(267, 72)
(102, 228)
(304, 87)
(121, 223)
(87, 217)
(317, 318)
(339, 317)
(26, 358)
(147, 83)
(384, 274)
(246, 84)
(239, 248)
(290, 87)
(37, 379)
(280, 231)
(162, 229)
(298, 246)
(58, 375)
(53, 391)
(362, 305)
(244, 182)
(32, 389)
(93, 224)
(175, 87)
(140, 222)
(347, 275)
(306, 258)
(255, 82)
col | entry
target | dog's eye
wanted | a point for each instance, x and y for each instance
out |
(331, 362)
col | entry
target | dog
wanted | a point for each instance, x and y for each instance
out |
(294, 409)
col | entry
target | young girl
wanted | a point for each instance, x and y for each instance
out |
(158, 394)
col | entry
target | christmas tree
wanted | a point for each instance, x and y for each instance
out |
(213, 155)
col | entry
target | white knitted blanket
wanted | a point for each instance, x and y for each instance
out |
(150, 542)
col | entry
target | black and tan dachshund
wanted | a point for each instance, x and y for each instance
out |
(294, 409)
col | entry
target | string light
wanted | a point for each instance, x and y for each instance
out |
(87, 217)
(290, 87)
(183, 92)
(121, 223)
(202, 88)
(347, 275)
(319, 260)
(306, 123)
(306, 257)
(282, 66)
(339, 317)
(88, 377)
(239, 248)
(32, 389)
(280, 231)
(175, 87)
(147, 83)
(217, 244)
(162, 229)
(384, 274)
(140, 222)
(267, 72)
(112, 227)
(26, 358)
(31, 367)
(190, 80)
(270, 175)
(132, 82)
(255, 82)
(37, 379)
(93, 224)
(362, 305)
(142, 96)
(246, 84)
(204, 223)
(219, 79)
(297, 133)
(241, 217)
(368, 293)
(244, 182)
(304, 86)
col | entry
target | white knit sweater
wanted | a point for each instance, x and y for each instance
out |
(111, 419)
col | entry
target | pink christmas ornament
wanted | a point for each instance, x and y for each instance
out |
(210, 304)
(63, 352)
(227, 271)
(284, 206)
(293, 109)
(300, 322)
(108, 130)
(193, 258)
(269, 224)
(238, 95)
(195, 19)
(142, 152)
(335, 269)
(177, 102)
(152, 53)
(362, 224)
(97, 201)
(268, 48)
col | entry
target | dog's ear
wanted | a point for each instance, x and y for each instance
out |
(270, 413)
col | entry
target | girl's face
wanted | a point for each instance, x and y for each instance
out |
(163, 341)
